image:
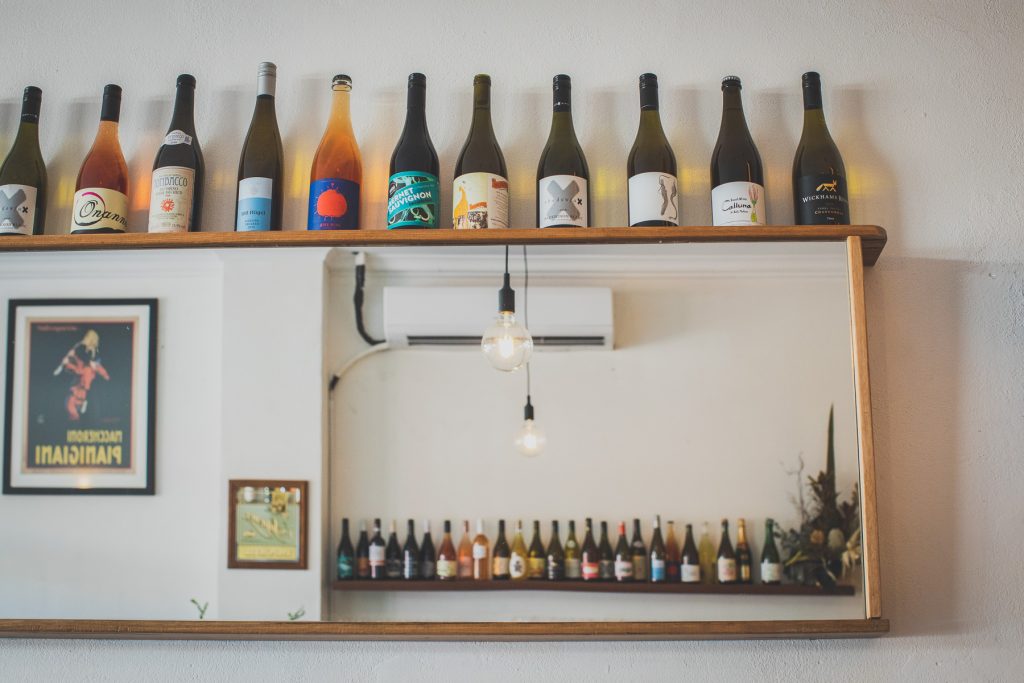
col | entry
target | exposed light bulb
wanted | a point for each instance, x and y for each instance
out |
(507, 344)
(530, 440)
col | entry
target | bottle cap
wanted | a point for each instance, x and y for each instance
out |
(186, 79)
(342, 79)
(562, 81)
(811, 78)
(110, 110)
(417, 79)
(648, 81)
(481, 78)
(267, 69)
(33, 93)
(731, 82)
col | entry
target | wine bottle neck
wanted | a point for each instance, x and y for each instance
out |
(416, 109)
(28, 133)
(183, 118)
(650, 122)
(482, 109)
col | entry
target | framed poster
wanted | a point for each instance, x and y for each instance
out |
(80, 396)
(266, 524)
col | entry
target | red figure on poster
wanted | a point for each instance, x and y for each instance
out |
(82, 361)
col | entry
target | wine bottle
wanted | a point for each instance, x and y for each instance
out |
(465, 553)
(481, 554)
(501, 555)
(101, 191)
(346, 555)
(690, 565)
(480, 191)
(737, 178)
(23, 174)
(259, 203)
(411, 555)
(605, 556)
(623, 557)
(671, 554)
(536, 558)
(393, 555)
(517, 559)
(573, 568)
(363, 553)
(377, 552)
(555, 555)
(414, 197)
(337, 170)
(590, 565)
(428, 556)
(447, 560)
(726, 562)
(639, 553)
(744, 557)
(653, 192)
(819, 176)
(563, 179)
(657, 554)
(706, 551)
(771, 563)
(176, 196)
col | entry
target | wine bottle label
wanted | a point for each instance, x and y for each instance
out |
(480, 201)
(640, 568)
(822, 200)
(333, 204)
(376, 556)
(590, 570)
(410, 567)
(170, 203)
(562, 200)
(346, 570)
(689, 573)
(555, 570)
(393, 567)
(606, 569)
(653, 197)
(428, 569)
(739, 203)
(744, 572)
(500, 566)
(255, 196)
(363, 567)
(535, 567)
(623, 569)
(479, 551)
(446, 569)
(726, 569)
(177, 137)
(98, 208)
(414, 200)
(517, 566)
(657, 570)
(17, 209)
(573, 569)
(771, 572)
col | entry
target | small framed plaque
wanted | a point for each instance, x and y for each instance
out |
(267, 524)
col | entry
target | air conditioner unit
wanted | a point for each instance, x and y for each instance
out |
(560, 317)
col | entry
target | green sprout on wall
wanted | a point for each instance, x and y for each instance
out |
(202, 608)
(297, 614)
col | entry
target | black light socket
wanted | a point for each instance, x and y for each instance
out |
(506, 296)
(528, 409)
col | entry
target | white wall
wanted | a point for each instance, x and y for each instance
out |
(923, 99)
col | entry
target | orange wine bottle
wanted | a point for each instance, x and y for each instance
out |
(481, 554)
(447, 562)
(337, 168)
(101, 191)
(465, 553)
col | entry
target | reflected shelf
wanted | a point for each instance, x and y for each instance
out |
(467, 585)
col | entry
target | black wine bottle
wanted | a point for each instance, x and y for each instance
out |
(639, 553)
(413, 193)
(573, 562)
(176, 197)
(726, 563)
(819, 176)
(563, 179)
(393, 555)
(623, 557)
(737, 177)
(653, 191)
(501, 555)
(377, 554)
(744, 555)
(689, 560)
(428, 556)
(480, 189)
(590, 565)
(259, 203)
(555, 556)
(346, 555)
(363, 554)
(411, 555)
(23, 174)
(605, 556)
(771, 563)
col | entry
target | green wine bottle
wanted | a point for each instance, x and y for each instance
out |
(23, 174)
(556, 556)
(260, 201)
(771, 564)
(480, 189)
(689, 560)
(623, 557)
(346, 555)
(653, 192)
(563, 179)
(573, 563)
(413, 193)
(819, 176)
(726, 562)
(176, 198)
(737, 177)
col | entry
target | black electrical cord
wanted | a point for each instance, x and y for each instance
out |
(357, 301)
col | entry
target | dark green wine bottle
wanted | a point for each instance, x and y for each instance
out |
(501, 555)
(23, 174)
(260, 203)
(623, 557)
(536, 558)
(689, 560)
(480, 189)
(657, 554)
(653, 192)
(726, 563)
(573, 566)
(771, 564)
(605, 556)
(640, 559)
(363, 553)
(413, 193)
(563, 179)
(176, 198)
(737, 177)
(393, 555)
(556, 556)
(819, 176)
(428, 555)
(411, 555)
(346, 555)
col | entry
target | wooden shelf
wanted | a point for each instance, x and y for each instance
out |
(587, 587)
(873, 238)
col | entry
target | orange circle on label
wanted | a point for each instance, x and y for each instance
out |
(331, 204)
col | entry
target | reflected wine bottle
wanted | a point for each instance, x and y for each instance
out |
(481, 554)
(101, 191)
(573, 568)
(706, 550)
(623, 557)
(657, 554)
(726, 562)
(259, 202)
(640, 559)
(737, 177)
(590, 565)
(176, 195)
(563, 189)
(362, 553)
(377, 552)
(337, 170)
(771, 563)
(465, 553)
(536, 558)
(653, 191)
(690, 566)
(744, 556)
(411, 555)
(819, 176)
(555, 555)
(414, 198)
(480, 191)
(671, 554)
(605, 556)
(501, 555)
(23, 174)
(393, 555)
(517, 559)
(447, 559)
(428, 556)
(346, 555)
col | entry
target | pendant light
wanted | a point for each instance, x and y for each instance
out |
(507, 344)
